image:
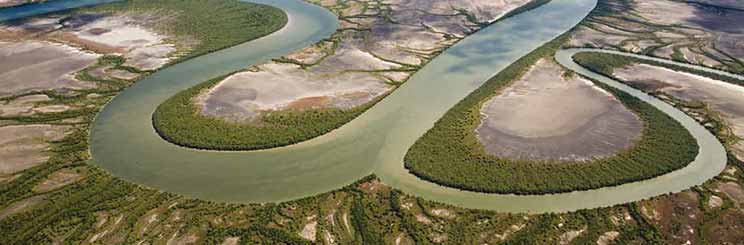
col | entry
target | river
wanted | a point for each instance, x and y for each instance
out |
(124, 142)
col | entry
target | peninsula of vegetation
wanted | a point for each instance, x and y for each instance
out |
(57, 71)
(320, 88)
(452, 153)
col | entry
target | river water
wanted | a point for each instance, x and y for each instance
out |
(124, 142)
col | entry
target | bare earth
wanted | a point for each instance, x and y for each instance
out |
(365, 63)
(545, 117)
(11, 3)
(45, 54)
(130, 35)
(58, 180)
(22, 147)
(20, 206)
(33, 66)
(670, 29)
(722, 97)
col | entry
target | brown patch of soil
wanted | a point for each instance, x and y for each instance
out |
(677, 215)
(59, 179)
(309, 103)
(23, 147)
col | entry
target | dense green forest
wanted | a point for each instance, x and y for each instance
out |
(180, 121)
(450, 154)
(605, 63)
(216, 24)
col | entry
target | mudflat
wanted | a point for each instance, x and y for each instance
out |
(549, 116)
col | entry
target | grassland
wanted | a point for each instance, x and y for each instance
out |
(462, 162)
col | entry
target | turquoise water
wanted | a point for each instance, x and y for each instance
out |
(46, 7)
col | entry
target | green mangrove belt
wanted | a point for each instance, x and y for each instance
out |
(605, 63)
(449, 154)
(216, 24)
(179, 121)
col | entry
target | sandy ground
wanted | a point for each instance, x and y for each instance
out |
(696, 33)
(722, 97)
(231, 241)
(20, 206)
(733, 191)
(310, 230)
(11, 3)
(142, 47)
(23, 147)
(362, 64)
(569, 236)
(58, 180)
(126, 34)
(33, 66)
(544, 117)
(607, 237)
(22, 106)
(280, 86)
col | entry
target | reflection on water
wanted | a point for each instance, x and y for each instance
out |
(46, 7)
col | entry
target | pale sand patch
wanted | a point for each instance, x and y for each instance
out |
(423, 219)
(607, 237)
(444, 213)
(546, 117)
(313, 53)
(36, 66)
(345, 218)
(22, 147)
(511, 230)
(733, 191)
(686, 25)
(665, 12)
(186, 239)
(569, 236)
(143, 48)
(9, 178)
(328, 237)
(231, 241)
(438, 237)
(22, 106)
(722, 97)
(276, 86)
(310, 230)
(20, 206)
(122, 74)
(58, 180)
(715, 202)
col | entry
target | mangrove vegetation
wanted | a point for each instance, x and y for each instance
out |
(449, 154)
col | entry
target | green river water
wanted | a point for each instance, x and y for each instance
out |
(124, 142)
